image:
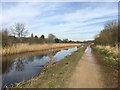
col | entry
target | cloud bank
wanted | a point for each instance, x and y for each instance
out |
(72, 20)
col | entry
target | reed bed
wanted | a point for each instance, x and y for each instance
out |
(22, 48)
(110, 49)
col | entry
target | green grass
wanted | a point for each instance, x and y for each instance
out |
(54, 74)
(109, 58)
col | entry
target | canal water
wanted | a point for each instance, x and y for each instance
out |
(24, 67)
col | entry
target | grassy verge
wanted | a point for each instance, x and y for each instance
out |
(54, 74)
(109, 57)
(23, 48)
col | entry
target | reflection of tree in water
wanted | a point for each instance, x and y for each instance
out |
(39, 57)
(19, 64)
(30, 59)
(6, 64)
(51, 55)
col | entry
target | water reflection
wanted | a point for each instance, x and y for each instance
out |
(23, 67)
(19, 64)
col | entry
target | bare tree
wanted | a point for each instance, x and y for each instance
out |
(32, 35)
(109, 35)
(19, 30)
(4, 37)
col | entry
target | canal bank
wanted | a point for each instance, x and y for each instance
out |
(54, 74)
(26, 48)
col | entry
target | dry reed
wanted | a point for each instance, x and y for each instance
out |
(22, 48)
(109, 49)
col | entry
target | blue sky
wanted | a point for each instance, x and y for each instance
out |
(72, 20)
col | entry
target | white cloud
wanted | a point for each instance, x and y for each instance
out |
(60, 0)
(79, 20)
(21, 12)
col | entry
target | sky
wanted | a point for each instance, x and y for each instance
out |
(73, 20)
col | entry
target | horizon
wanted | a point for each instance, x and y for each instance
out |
(78, 21)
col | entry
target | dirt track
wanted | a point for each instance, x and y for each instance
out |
(90, 73)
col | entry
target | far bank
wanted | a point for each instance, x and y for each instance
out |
(23, 48)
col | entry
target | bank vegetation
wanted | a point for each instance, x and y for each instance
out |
(107, 43)
(23, 48)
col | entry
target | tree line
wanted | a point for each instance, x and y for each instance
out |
(18, 32)
(110, 35)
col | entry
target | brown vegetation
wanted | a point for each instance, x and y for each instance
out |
(22, 48)
(110, 49)
(109, 35)
(109, 55)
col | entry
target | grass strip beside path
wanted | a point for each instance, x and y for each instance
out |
(109, 58)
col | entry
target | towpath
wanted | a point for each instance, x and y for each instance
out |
(91, 73)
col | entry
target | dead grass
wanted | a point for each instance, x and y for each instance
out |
(22, 48)
(110, 55)
(109, 49)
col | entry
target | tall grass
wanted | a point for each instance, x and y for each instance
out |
(22, 48)
(108, 48)
(110, 55)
